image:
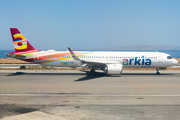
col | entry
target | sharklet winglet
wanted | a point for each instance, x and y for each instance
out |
(73, 55)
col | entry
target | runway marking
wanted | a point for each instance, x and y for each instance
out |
(95, 95)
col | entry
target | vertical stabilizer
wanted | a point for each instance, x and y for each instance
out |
(20, 42)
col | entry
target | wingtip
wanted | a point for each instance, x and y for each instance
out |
(69, 49)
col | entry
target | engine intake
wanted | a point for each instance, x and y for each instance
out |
(114, 69)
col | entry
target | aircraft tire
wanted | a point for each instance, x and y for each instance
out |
(93, 73)
(158, 73)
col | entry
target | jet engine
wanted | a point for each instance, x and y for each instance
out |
(114, 69)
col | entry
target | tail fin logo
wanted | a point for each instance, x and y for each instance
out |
(20, 41)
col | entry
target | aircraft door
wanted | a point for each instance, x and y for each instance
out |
(36, 56)
(160, 59)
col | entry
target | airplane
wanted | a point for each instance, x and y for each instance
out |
(109, 62)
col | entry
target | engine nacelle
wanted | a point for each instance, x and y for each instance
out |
(114, 69)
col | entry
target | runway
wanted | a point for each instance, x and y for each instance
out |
(74, 95)
(94, 95)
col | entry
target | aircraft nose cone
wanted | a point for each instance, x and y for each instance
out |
(175, 62)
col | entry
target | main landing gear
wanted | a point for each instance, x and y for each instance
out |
(157, 73)
(93, 73)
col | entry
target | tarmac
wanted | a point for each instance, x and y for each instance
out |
(75, 95)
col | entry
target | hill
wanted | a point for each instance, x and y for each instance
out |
(145, 47)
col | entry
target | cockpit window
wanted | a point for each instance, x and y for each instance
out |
(169, 57)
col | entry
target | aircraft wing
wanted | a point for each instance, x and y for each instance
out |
(91, 62)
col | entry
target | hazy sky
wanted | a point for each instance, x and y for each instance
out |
(91, 24)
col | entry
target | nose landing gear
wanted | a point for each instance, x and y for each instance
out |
(157, 73)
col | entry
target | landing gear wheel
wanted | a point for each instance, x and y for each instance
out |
(157, 73)
(93, 73)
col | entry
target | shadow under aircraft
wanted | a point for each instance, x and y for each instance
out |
(87, 74)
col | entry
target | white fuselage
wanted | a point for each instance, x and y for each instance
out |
(127, 59)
